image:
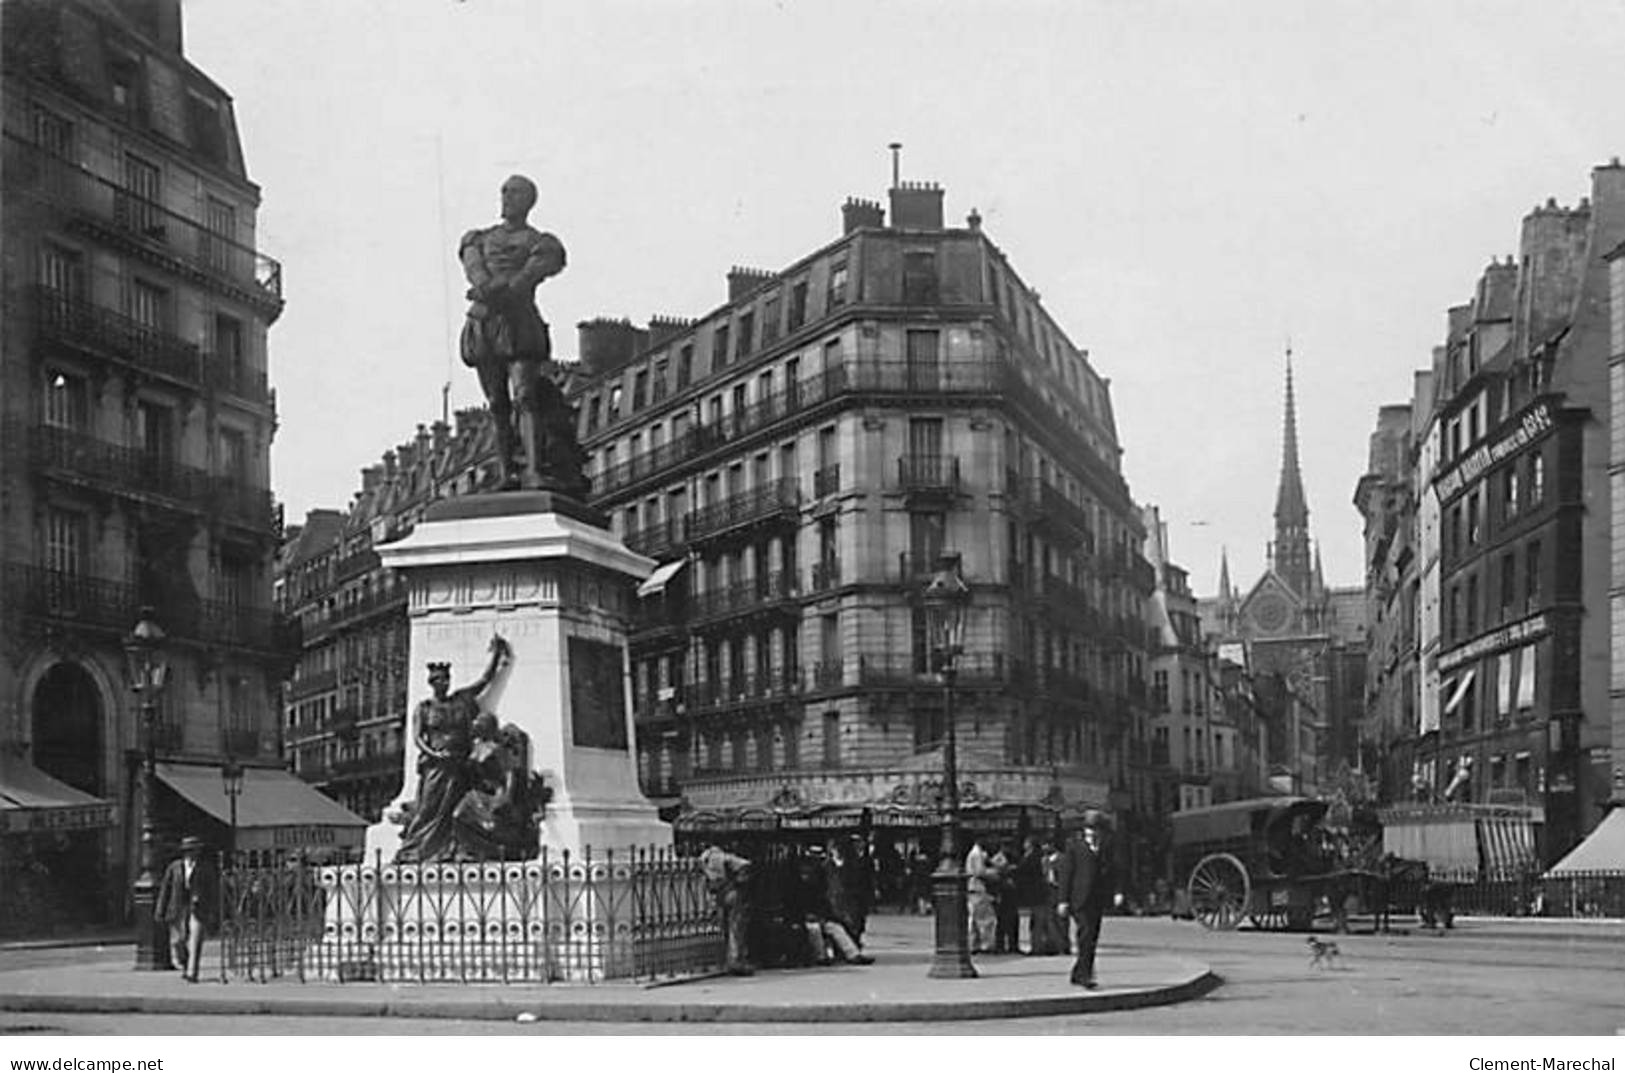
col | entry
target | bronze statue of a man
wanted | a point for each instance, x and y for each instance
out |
(506, 340)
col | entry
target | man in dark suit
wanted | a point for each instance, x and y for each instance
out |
(1085, 884)
(189, 903)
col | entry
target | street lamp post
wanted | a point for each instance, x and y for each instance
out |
(148, 670)
(946, 598)
(231, 779)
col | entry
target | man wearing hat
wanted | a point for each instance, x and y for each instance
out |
(188, 902)
(1084, 888)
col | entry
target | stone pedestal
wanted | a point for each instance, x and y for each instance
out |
(537, 570)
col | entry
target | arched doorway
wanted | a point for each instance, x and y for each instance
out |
(68, 728)
(69, 867)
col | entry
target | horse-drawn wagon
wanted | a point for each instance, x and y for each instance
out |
(1269, 860)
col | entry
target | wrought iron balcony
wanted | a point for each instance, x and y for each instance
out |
(85, 326)
(308, 684)
(662, 540)
(928, 476)
(915, 568)
(245, 504)
(766, 593)
(743, 691)
(825, 576)
(971, 670)
(77, 456)
(75, 599)
(827, 674)
(827, 480)
(118, 213)
(775, 502)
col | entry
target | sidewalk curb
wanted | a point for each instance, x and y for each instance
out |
(502, 1008)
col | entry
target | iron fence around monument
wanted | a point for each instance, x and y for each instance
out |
(586, 918)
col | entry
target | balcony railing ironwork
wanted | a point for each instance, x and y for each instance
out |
(67, 598)
(778, 500)
(825, 576)
(658, 541)
(84, 325)
(743, 690)
(743, 597)
(928, 474)
(121, 212)
(827, 480)
(118, 467)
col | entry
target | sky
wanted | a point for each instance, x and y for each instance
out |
(1190, 186)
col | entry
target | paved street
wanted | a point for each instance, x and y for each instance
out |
(1487, 977)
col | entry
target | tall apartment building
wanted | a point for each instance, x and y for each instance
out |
(1205, 733)
(345, 706)
(137, 424)
(1514, 702)
(797, 460)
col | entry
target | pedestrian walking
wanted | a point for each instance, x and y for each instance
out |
(1006, 901)
(979, 898)
(1047, 936)
(189, 905)
(1086, 883)
(725, 877)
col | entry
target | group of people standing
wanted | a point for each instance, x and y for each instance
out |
(1056, 880)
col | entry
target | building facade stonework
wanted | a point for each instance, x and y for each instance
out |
(137, 422)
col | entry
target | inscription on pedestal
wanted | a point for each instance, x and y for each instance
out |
(597, 696)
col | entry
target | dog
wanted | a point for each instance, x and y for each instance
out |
(1323, 953)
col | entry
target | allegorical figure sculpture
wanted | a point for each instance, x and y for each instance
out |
(506, 340)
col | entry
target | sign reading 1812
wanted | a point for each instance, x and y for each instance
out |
(597, 695)
(1528, 427)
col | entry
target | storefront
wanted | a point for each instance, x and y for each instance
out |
(50, 838)
(276, 814)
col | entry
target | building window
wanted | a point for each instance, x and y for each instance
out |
(719, 347)
(228, 348)
(147, 305)
(685, 365)
(65, 541)
(920, 278)
(1472, 605)
(798, 305)
(923, 359)
(1531, 574)
(612, 410)
(832, 739)
(594, 407)
(930, 728)
(66, 402)
(1509, 492)
(927, 536)
(1537, 479)
(1474, 518)
(640, 390)
(53, 134)
(770, 320)
(136, 206)
(837, 285)
(1509, 583)
(220, 235)
(62, 271)
(747, 334)
(156, 433)
(234, 455)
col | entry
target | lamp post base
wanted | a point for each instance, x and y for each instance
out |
(151, 936)
(951, 960)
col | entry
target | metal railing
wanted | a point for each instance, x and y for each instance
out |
(740, 597)
(825, 576)
(775, 499)
(83, 324)
(827, 480)
(928, 473)
(577, 918)
(122, 210)
(127, 468)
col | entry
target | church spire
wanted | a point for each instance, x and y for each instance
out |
(1292, 555)
(1225, 593)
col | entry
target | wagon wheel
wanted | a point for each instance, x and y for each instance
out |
(1220, 891)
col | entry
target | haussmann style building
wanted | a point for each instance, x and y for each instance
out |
(137, 422)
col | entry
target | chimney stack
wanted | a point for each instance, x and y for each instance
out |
(662, 328)
(607, 345)
(858, 212)
(916, 206)
(742, 281)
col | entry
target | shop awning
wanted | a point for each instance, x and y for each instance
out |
(275, 811)
(31, 800)
(1603, 850)
(657, 581)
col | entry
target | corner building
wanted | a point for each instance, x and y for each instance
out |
(137, 423)
(797, 460)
